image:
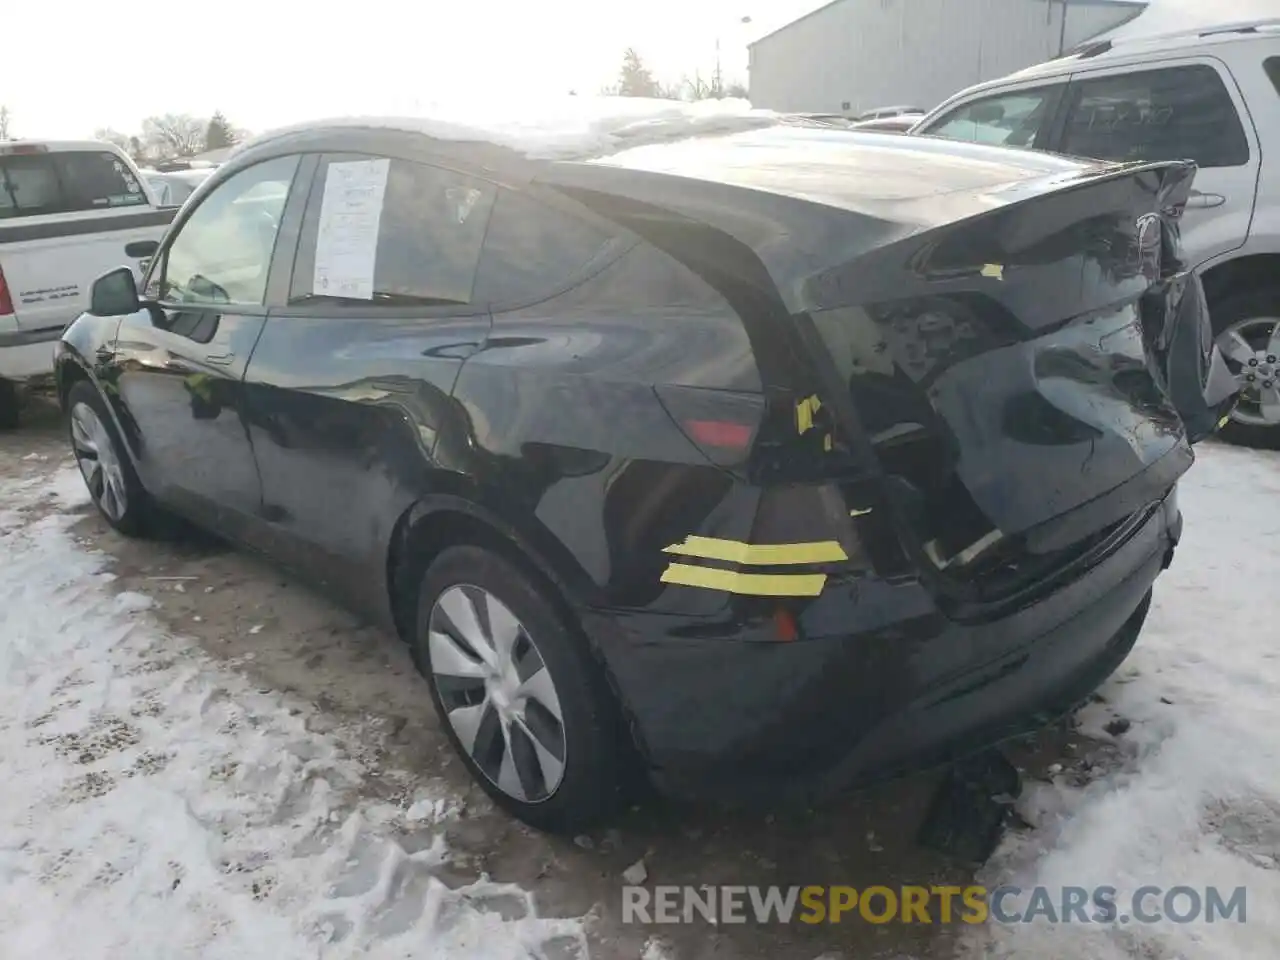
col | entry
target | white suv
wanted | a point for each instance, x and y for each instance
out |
(1209, 95)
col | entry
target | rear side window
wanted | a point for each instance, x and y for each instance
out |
(1012, 119)
(1176, 113)
(532, 249)
(1272, 66)
(66, 182)
(392, 232)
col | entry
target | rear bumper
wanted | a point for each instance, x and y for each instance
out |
(880, 684)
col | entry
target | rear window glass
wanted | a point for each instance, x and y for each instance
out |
(66, 182)
(531, 249)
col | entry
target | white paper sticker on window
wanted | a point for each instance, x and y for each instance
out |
(347, 238)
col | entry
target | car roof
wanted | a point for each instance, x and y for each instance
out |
(197, 175)
(872, 173)
(1131, 48)
(56, 146)
(901, 108)
(891, 178)
(557, 128)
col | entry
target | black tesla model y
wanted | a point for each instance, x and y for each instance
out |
(766, 460)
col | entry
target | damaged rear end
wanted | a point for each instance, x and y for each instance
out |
(982, 375)
(999, 358)
(1025, 385)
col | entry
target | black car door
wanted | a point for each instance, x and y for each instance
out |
(180, 361)
(349, 386)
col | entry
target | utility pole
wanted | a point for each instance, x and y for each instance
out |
(717, 79)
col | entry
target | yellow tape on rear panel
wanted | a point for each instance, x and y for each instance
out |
(806, 409)
(759, 554)
(746, 584)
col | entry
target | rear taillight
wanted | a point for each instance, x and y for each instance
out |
(722, 424)
(6, 301)
(719, 434)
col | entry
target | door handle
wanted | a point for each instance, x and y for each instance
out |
(221, 359)
(1201, 200)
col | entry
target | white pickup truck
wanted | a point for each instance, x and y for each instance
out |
(69, 211)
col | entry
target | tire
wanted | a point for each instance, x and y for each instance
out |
(592, 775)
(113, 485)
(1248, 310)
(10, 405)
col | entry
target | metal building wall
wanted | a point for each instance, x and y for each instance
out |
(872, 53)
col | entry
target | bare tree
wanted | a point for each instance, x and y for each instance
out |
(695, 88)
(174, 135)
(129, 143)
(5, 117)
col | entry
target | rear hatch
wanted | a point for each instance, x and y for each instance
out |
(1024, 384)
(995, 360)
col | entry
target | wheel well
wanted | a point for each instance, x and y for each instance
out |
(67, 376)
(417, 543)
(1259, 270)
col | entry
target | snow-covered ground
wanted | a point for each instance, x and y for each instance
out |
(153, 804)
(1198, 802)
(157, 803)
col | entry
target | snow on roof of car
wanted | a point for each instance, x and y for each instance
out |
(568, 129)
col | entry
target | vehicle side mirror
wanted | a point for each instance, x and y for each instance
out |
(115, 294)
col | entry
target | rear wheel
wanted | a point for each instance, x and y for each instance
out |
(104, 464)
(10, 404)
(520, 697)
(1247, 330)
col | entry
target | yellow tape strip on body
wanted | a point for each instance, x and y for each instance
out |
(759, 554)
(749, 584)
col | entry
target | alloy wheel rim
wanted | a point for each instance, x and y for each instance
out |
(497, 693)
(98, 461)
(1252, 350)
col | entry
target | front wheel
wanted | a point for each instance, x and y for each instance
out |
(520, 697)
(1247, 330)
(108, 473)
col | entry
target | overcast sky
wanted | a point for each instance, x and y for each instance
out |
(70, 66)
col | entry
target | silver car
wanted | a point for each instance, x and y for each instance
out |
(172, 189)
(1209, 95)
